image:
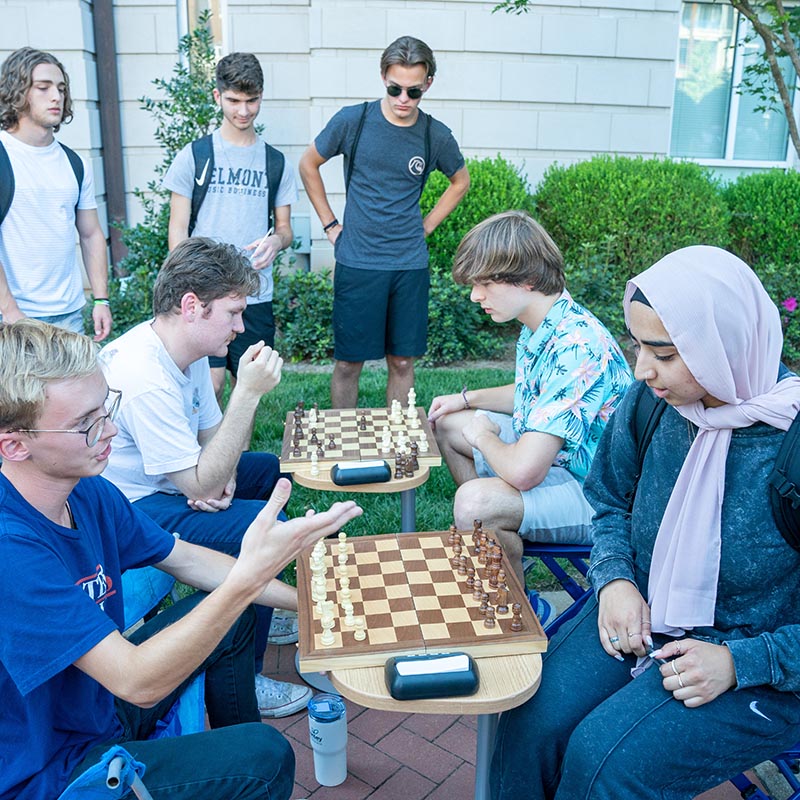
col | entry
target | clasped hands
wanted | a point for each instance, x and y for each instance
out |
(695, 672)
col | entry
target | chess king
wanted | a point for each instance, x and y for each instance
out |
(519, 453)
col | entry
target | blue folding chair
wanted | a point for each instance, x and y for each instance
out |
(788, 764)
(116, 775)
(578, 556)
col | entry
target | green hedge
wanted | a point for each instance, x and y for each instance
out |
(765, 217)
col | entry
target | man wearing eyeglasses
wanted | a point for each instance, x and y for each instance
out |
(381, 279)
(71, 684)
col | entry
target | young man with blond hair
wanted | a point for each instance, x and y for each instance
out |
(72, 685)
(46, 192)
(519, 453)
(381, 280)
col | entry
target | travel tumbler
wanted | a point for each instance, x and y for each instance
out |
(327, 728)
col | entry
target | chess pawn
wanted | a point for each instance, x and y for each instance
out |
(320, 452)
(341, 558)
(516, 621)
(342, 542)
(470, 577)
(477, 527)
(484, 604)
(314, 465)
(462, 565)
(423, 443)
(456, 559)
(327, 639)
(344, 583)
(349, 619)
(362, 423)
(489, 621)
(451, 538)
(360, 633)
(477, 587)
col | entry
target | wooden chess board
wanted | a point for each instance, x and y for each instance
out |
(412, 600)
(352, 444)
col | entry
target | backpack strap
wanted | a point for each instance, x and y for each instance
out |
(355, 146)
(203, 153)
(646, 416)
(427, 171)
(784, 482)
(275, 163)
(7, 184)
(77, 167)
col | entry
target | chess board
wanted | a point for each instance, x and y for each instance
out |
(352, 444)
(412, 600)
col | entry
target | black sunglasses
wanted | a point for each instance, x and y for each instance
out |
(413, 92)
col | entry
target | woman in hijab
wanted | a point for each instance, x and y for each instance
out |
(685, 669)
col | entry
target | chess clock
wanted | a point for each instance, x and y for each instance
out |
(350, 473)
(431, 675)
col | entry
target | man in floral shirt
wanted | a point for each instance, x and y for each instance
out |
(519, 453)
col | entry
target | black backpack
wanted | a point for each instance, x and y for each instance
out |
(784, 479)
(7, 184)
(203, 152)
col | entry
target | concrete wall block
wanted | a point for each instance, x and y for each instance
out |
(442, 29)
(138, 127)
(607, 82)
(652, 36)
(640, 134)
(136, 72)
(289, 80)
(57, 26)
(140, 168)
(288, 32)
(542, 80)
(499, 128)
(166, 31)
(503, 33)
(363, 80)
(286, 125)
(15, 30)
(582, 34)
(354, 27)
(327, 75)
(135, 30)
(478, 77)
(574, 130)
(662, 84)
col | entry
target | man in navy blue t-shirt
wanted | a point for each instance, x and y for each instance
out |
(66, 537)
(380, 305)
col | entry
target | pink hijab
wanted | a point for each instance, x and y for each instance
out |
(728, 333)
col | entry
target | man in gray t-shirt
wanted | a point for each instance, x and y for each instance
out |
(381, 280)
(235, 208)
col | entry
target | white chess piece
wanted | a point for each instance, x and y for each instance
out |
(360, 629)
(314, 464)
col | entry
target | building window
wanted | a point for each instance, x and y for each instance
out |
(710, 119)
(194, 8)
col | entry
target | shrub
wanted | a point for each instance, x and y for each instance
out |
(614, 216)
(303, 303)
(782, 283)
(765, 217)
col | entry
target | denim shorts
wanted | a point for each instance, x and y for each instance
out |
(554, 511)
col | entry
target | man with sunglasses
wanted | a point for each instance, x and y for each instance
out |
(381, 279)
(72, 685)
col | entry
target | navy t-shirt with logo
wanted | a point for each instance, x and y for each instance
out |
(60, 596)
(382, 225)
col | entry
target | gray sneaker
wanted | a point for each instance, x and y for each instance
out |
(280, 698)
(283, 629)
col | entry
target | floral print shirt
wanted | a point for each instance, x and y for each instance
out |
(570, 375)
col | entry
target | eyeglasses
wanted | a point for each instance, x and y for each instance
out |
(413, 92)
(94, 432)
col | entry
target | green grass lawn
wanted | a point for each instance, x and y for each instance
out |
(381, 511)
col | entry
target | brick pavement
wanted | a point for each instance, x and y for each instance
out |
(395, 756)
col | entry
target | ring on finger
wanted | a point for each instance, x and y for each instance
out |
(613, 639)
(680, 681)
(674, 668)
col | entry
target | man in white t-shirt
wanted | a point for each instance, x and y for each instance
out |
(221, 189)
(46, 191)
(176, 457)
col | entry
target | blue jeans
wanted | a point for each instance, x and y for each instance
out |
(240, 757)
(591, 731)
(256, 476)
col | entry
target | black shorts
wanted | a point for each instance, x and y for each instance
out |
(379, 312)
(259, 323)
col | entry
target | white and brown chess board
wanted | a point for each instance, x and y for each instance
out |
(412, 600)
(355, 435)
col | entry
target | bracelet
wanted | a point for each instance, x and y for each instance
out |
(464, 395)
(332, 224)
(101, 301)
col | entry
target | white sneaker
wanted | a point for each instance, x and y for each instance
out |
(283, 629)
(280, 698)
